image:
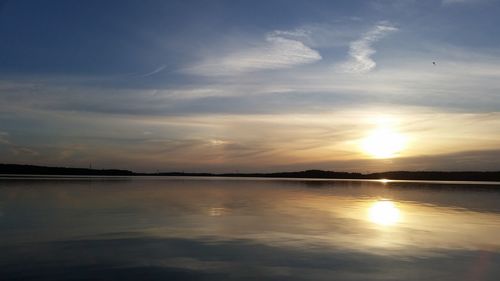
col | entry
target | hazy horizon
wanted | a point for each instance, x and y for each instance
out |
(251, 86)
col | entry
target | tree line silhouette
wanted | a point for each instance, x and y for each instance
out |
(15, 169)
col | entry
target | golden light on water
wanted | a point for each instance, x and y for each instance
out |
(383, 143)
(217, 211)
(384, 212)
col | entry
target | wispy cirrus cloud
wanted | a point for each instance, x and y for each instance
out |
(15, 149)
(155, 71)
(361, 50)
(277, 52)
(3, 138)
(449, 2)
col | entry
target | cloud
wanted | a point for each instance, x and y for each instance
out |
(15, 149)
(409, 80)
(450, 2)
(277, 52)
(157, 70)
(325, 35)
(3, 138)
(361, 51)
(18, 150)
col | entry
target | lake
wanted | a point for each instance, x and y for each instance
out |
(153, 228)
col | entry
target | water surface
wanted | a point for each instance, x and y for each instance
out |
(146, 228)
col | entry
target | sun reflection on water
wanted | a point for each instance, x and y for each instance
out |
(217, 211)
(384, 181)
(384, 212)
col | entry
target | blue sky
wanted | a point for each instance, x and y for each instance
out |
(250, 85)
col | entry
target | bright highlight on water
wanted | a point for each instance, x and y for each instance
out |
(384, 212)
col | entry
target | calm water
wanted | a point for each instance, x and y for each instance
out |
(247, 229)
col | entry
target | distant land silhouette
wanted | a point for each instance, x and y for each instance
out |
(42, 170)
(15, 169)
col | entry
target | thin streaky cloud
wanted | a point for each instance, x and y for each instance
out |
(450, 2)
(277, 52)
(15, 149)
(157, 70)
(361, 50)
(3, 138)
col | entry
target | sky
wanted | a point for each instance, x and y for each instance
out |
(251, 86)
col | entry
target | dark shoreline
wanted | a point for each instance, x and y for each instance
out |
(15, 169)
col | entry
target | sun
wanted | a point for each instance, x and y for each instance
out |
(384, 212)
(383, 143)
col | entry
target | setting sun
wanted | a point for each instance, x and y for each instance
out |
(383, 143)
